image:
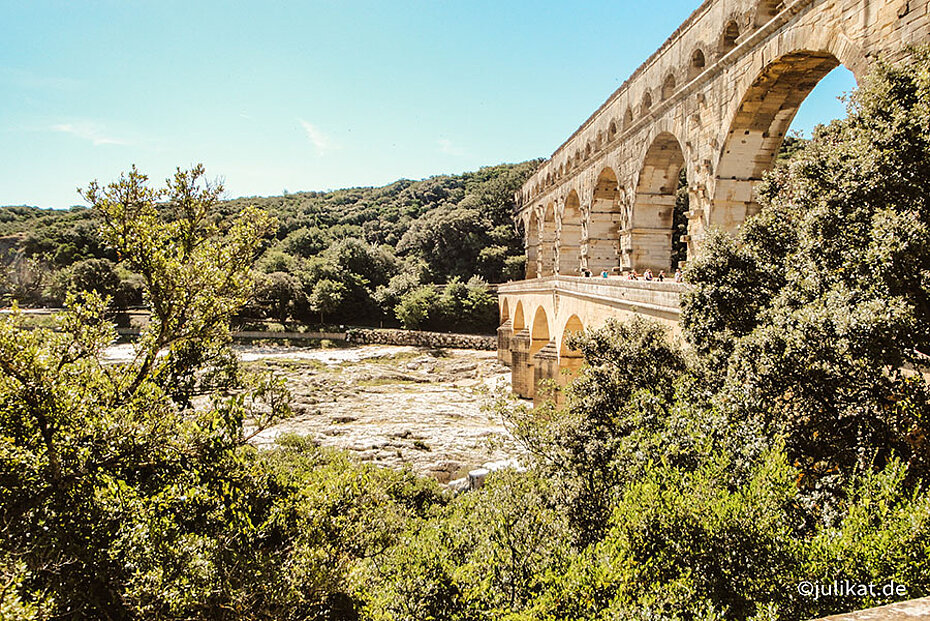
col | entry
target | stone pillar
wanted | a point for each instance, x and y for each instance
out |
(546, 374)
(569, 364)
(532, 263)
(651, 249)
(547, 252)
(603, 241)
(504, 335)
(734, 203)
(521, 366)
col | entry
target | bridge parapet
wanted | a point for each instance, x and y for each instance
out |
(538, 315)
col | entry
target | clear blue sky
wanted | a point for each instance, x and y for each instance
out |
(310, 95)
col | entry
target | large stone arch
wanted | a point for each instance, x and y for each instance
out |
(570, 360)
(547, 234)
(519, 318)
(605, 222)
(757, 126)
(654, 203)
(505, 310)
(569, 255)
(539, 330)
(542, 358)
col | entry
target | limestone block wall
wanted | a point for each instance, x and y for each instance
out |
(363, 336)
(716, 100)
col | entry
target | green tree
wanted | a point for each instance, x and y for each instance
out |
(327, 297)
(280, 295)
(809, 318)
(416, 308)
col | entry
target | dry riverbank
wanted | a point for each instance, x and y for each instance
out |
(395, 406)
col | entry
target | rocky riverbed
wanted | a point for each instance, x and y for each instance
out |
(395, 406)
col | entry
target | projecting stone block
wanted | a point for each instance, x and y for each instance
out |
(504, 335)
(521, 365)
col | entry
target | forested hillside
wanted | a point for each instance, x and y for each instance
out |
(363, 255)
(780, 449)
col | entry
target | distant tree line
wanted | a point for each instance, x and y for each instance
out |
(360, 255)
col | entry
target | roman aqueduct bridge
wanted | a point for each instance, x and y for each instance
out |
(715, 101)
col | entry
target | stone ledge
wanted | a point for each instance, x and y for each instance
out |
(373, 336)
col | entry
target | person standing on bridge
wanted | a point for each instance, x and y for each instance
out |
(661, 276)
(678, 276)
(647, 275)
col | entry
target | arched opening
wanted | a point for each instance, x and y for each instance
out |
(531, 239)
(570, 360)
(647, 103)
(604, 222)
(767, 10)
(612, 131)
(547, 241)
(730, 35)
(519, 320)
(570, 236)
(542, 359)
(628, 119)
(505, 310)
(668, 87)
(654, 207)
(698, 63)
(539, 333)
(758, 130)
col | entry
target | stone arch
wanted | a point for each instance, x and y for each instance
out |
(572, 326)
(628, 119)
(654, 204)
(612, 131)
(647, 103)
(531, 232)
(668, 87)
(587, 149)
(539, 331)
(604, 223)
(519, 319)
(729, 37)
(505, 310)
(547, 235)
(570, 360)
(570, 236)
(697, 64)
(758, 127)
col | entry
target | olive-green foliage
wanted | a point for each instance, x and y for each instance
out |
(485, 555)
(102, 276)
(431, 230)
(460, 307)
(812, 313)
(118, 499)
(327, 297)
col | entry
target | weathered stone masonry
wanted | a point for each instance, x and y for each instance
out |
(715, 100)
